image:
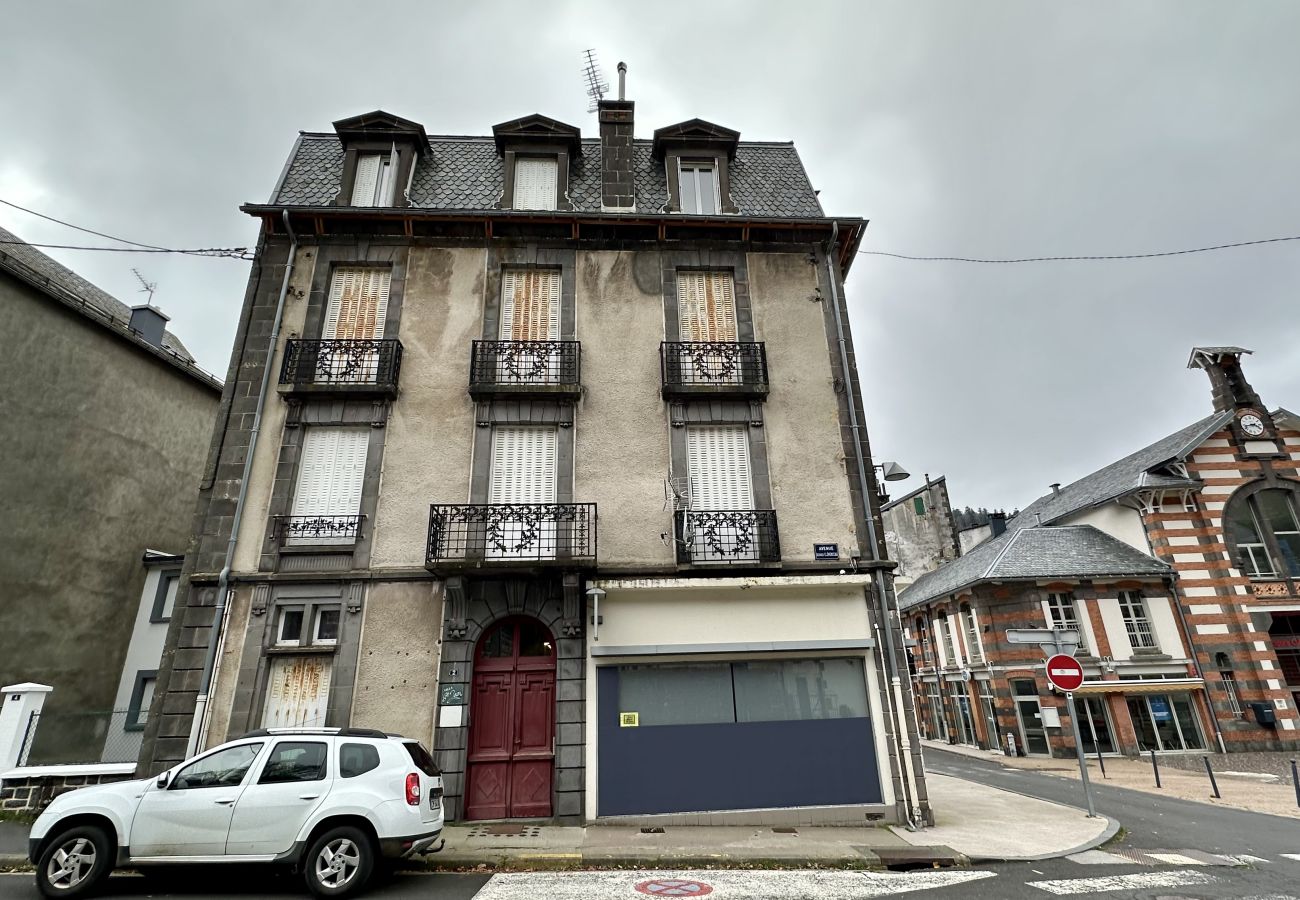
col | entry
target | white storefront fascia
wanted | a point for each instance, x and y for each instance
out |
(666, 620)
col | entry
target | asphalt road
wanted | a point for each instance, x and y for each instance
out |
(1150, 821)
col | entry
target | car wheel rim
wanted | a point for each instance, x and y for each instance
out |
(70, 864)
(337, 863)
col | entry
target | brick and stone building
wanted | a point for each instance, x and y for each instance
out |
(106, 422)
(1179, 565)
(562, 470)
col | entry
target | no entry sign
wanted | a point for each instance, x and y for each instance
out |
(1064, 672)
(674, 887)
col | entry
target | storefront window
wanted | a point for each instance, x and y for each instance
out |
(1094, 724)
(1165, 722)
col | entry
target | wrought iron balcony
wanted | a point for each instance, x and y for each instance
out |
(315, 531)
(733, 537)
(714, 368)
(525, 368)
(341, 367)
(488, 535)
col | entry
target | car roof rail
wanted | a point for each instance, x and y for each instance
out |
(335, 731)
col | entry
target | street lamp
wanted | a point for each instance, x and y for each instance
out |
(889, 471)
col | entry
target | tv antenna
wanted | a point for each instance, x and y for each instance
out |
(596, 83)
(147, 287)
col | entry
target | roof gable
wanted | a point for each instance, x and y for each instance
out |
(379, 125)
(695, 134)
(537, 129)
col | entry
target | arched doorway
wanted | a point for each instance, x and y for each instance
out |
(511, 722)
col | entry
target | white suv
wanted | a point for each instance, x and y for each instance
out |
(331, 801)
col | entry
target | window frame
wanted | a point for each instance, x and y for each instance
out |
(309, 628)
(136, 704)
(970, 625)
(1267, 536)
(165, 578)
(553, 158)
(1058, 599)
(385, 179)
(696, 165)
(322, 775)
(1135, 612)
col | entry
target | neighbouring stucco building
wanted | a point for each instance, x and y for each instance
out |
(561, 470)
(107, 420)
(1178, 565)
(920, 530)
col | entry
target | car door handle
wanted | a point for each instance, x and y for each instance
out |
(308, 796)
(225, 801)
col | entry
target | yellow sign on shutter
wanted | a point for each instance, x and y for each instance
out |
(629, 720)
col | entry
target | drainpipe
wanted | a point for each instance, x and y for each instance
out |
(894, 696)
(198, 726)
(1196, 662)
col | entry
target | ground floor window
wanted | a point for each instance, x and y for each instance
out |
(961, 711)
(1165, 722)
(1094, 724)
(989, 710)
(1029, 715)
(938, 722)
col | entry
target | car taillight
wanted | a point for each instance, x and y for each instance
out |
(413, 789)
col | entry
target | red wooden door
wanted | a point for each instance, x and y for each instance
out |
(512, 723)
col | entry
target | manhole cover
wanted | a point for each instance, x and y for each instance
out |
(674, 887)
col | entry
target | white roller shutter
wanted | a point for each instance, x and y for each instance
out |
(530, 305)
(523, 471)
(358, 304)
(706, 306)
(331, 470)
(535, 182)
(297, 692)
(367, 179)
(718, 462)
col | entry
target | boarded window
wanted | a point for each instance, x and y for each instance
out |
(358, 304)
(530, 305)
(297, 692)
(706, 306)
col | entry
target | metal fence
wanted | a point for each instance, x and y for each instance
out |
(540, 533)
(72, 738)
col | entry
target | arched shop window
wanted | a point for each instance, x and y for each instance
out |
(1263, 529)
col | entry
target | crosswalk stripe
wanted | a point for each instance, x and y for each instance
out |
(1135, 882)
(1295, 856)
(1176, 859)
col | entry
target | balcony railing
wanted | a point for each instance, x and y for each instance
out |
(345, 366)
(508, 534)
(515, 368)
(727, 537)
(315, 531)
(716, 368)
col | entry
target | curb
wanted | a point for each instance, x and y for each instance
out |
(10, 861)
(862, 859)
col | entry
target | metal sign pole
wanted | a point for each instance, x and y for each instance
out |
(1078, 750)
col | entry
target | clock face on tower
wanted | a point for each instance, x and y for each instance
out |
(1251, 424)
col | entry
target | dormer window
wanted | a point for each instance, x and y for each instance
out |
(536, 180)
(373, 185)
(697, 159)
(536, 152)
(381, 152)
(699, 187)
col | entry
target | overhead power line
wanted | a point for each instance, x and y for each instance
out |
(1029, 259)
(136, 246)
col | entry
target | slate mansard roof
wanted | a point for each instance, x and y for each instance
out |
(1050, 551)
(467, 174)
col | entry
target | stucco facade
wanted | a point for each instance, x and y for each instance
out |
(462, 576)
(103, 446)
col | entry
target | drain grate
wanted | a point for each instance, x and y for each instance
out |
(657, 829)
(506, 829)
(786, 830)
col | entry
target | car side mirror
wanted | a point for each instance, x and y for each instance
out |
(163, 779)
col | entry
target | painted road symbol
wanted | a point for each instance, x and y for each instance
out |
(674, 887)
(1065, 672)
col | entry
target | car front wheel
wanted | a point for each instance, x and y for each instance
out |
(75, 862)
(339, 862)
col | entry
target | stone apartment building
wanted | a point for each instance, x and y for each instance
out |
(921, 530)
(1179, 566)
(107, 420)
(561, 469)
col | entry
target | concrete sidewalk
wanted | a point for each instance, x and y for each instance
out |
(13, 843)
(1180, 776)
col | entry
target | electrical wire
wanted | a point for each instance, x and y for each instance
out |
(1029, 259)
(136, 246)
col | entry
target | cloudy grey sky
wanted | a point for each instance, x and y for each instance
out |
(976, 129)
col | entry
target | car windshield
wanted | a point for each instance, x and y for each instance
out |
(423, 761)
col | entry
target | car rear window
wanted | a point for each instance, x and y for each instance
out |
(357, 759)
(423, 761)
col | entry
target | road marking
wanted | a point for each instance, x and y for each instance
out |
(1099, 858)
(1177, 859)
(1245, 859)
(726, 884)
(1295, 856)
(1136, 882)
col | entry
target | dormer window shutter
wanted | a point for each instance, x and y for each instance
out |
(535, 182)
(373, 185)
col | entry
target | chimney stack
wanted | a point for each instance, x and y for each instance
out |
(617, 189)
(1056, 489)
(150, 323)
(1228, 384)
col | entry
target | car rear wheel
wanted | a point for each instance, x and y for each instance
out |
(75, 862)
(339, 862)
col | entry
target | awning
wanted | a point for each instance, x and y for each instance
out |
(1143, 686)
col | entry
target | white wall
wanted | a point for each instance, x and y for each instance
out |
(1120, 522)
(142, 654)
(1165, 627)
(1120, 648)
